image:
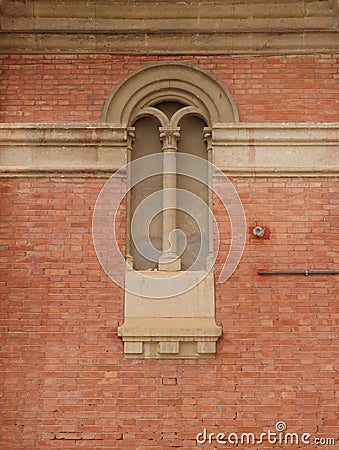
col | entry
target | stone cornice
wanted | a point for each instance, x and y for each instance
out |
(62, 149)
(169, 27)
(239, 149)
(325, 42)
(165, 15)
(301, 149)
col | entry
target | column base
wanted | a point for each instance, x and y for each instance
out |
(169, 264)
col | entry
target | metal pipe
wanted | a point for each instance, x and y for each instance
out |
(298, 272)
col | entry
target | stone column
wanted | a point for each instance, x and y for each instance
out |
(169, 260)
(130, 141)
(207, 137)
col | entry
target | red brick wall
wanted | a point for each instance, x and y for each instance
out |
(65, 383)
(74, 88)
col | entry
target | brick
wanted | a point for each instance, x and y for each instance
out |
(300, 88)
(65, 383)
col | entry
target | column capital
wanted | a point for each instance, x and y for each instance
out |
(207, 137)
(169, 138)
(130, 137)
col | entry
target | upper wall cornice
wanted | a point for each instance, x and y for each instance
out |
(169, 27)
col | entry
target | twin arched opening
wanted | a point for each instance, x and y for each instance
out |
(169, 109)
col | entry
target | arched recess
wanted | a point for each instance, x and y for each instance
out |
(169, 109)
(170, 81)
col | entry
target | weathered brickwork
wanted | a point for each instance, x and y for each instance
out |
(65, 383)
(74, 88)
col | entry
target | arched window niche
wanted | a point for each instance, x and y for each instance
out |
(169, 109)
(168, 128)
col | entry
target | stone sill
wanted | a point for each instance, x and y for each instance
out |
(169, 338)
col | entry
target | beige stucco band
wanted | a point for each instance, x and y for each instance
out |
(239, 149)
(246, 27)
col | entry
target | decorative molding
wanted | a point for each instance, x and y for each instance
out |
(335, 7)
(239, 149)
(171, 27)
(169, 138)
(62, 149)
(276, 149)
(214, 43)
(170, 338)
(119, 15)
(173, 81)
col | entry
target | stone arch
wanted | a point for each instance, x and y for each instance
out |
(170, 81)
(169, 109)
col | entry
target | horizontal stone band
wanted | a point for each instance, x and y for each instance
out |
(246, 149)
